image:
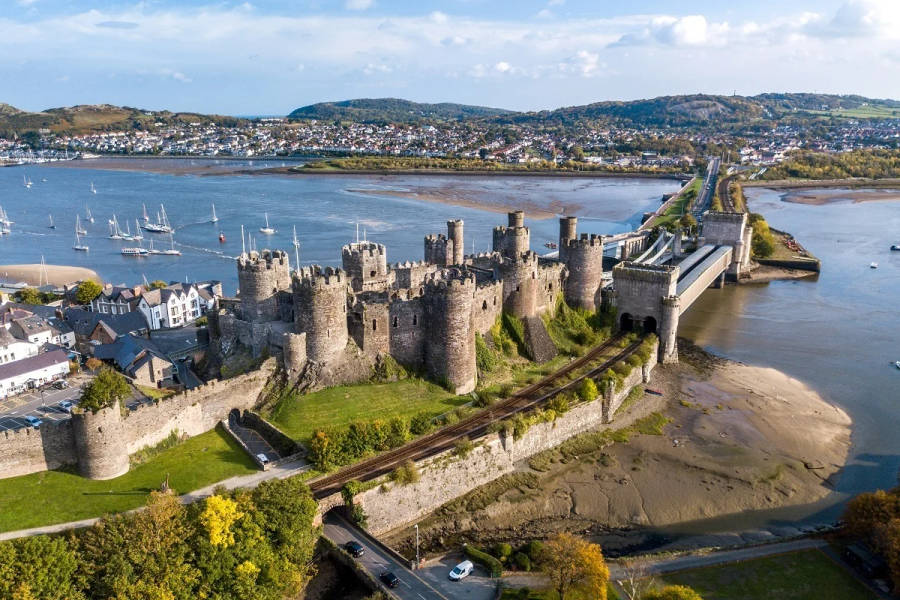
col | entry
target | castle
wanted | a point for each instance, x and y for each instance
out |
(331, 325)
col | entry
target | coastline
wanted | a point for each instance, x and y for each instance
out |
(469, 173)
(823, 183)
(58, 275)
(740, 438)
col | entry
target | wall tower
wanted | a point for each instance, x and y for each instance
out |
(515, 238)
(100, 443)
(365, 264)
(584, 260)
(567, 229)
(320, 311)
(450, 345)
(261, 276)
(455, 235)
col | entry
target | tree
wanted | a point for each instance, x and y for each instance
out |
(218, 516)
(587, 391)
(673, 592)
(87, 291)
(108, 388)
(158, 284)
(688, 221)
(573, 563)
(93, 363)
(39, 567)
(29, 295)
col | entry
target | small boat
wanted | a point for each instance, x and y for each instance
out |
(146, 216)
(52, 225)
(4, 218)
(93, 189)
(137, 231)
(221, 238)
(5, 230)
(214, 218)
(551, 245)
(897, 363)
(78, 245)
(79, 230)
(171, 251)
(136, 251)
(26, 182)
(873, 265)
(162, 225)
(87, 213)
(652, 391)
(114, 233)
(267, 229)
(895, 247)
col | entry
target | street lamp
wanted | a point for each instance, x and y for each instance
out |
(417, 544)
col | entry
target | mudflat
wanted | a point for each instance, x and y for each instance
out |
(54, 274)
(820, 197)
(739, 438)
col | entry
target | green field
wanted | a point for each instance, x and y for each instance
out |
(807, 575)
(677, 208)
(299, 416)
(60, 496)
(861, 112)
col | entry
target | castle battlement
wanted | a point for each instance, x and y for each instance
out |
(262, 261)
(318, 276)
(47, 427)
(449, 279)
(364, 248)
(528, 258)
(436, 237)
(411, 264)
(586, 240)
(642, 272)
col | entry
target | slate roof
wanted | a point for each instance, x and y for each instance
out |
(33, 363)
(83, 322)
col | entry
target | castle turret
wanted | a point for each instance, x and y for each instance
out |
(450, 345)
(584, 260)
(567, 231)
(261, 276)
(320, 311)
(455, 235)
(366, 265)
(100, 443)
(438, 250)
(520, 283)
(515, 238)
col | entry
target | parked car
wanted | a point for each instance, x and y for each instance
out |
(354, 548)
(33, 421)
(461, 570)
(61, 384)
(263, 458)
(389, 579)
(66, 405)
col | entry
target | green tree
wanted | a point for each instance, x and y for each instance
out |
(587, 390)
(688, 221)
(29, 295)
(87, 291)
(108, 388)
(40, 567)
(158, 284)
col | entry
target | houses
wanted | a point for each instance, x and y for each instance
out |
(175, 305)
(116, 300)
(139, 359)
(39, 330)
(27, 373)
(13, 349)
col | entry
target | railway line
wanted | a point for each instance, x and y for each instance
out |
(476, 425)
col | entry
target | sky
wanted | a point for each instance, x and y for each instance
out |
(269, 57)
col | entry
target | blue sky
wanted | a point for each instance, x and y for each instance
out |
(268, 57)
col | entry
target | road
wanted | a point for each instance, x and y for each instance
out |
(376, 561)
(708, 189)
(42, 404)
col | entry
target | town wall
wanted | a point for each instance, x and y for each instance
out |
(25, 451)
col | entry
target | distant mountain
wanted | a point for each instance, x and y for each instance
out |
(393, 110)
(90, 118)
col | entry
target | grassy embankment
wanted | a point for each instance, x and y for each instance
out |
(678, 208)
(468, 165)
(807, 575)
(63, 495)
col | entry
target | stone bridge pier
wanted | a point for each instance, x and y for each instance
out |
(729, 229)
(646, 300)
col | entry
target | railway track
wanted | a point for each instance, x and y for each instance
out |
(474, 426)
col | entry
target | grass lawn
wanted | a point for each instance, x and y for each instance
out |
(807, 575)
(677, 208)
(299, 415)
(60, 496)
(519, 594)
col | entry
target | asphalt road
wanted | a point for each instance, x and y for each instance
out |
(708, 189)
(376, 561)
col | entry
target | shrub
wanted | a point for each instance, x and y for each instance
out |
(421, 424)
(483, 558)
(587, 391)
(521, 561)
(406, 473)
(349, 491)
(503, 551)
(358, 516)
(534, 549)
(464, 447)
(87, 291)
(485, 358)
(559, 404)
(93, 363)
(107, 389)
(398, 432)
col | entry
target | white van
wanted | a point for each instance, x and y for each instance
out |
(461, 570)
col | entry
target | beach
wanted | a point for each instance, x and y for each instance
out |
(57, 275)
(740, 438)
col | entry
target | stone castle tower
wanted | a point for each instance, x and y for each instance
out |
(261, 276)
(320, 311)
(365, 263)
(514, 239)
(584, 261)
(567, 228)
(100, 443)
(450, 345)
(446, 250)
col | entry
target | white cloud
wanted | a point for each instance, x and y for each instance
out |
(503, 67)
(359, 4)
(439, 17)
(866, 18)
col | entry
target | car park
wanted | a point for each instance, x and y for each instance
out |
(32, 421)
(66, 406)
(354, 548)
(462, 570)
(389, 579)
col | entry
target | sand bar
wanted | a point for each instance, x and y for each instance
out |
(55, 274)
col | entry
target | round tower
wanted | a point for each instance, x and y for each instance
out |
(520, 284)
(584, 260)
(365, 264)
(455, 234)
(450, 346)
(320, 311)
(100, 443)
(567, 229)
(260, 277)
(514, 239)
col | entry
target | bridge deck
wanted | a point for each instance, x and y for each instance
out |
(687, 265)
(702, 274)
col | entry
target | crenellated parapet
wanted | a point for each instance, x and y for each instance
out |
(320, 311)
(365, 263)
(515, 238)
(439, 250)
(261, 276)
(100, 443)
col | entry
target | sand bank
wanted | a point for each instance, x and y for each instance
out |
(55, 274)
(827, 197)
(453, 196)
(740, 438)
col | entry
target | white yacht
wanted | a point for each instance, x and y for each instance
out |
(93, 189)
(78, 245)
(214, 219)
(267, 229)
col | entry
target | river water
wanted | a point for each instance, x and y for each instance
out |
(324, 209)
(837, 332)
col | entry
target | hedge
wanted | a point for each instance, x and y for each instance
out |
(483, 558)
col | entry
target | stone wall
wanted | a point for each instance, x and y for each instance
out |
(260, 278)
(32, 450)
(487, 306)
(408, 332)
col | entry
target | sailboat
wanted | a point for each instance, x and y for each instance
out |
(267, 229)
(171, 251)
(87, 213)
(214, 219)
(137, 231)
(52, 225)
(162, 225)
(26, 181)
(146, 216)
(79, 230)
(4, 218)
(78, 245)
(93, 189)
(114, 233)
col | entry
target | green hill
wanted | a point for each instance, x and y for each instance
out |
(393, 110)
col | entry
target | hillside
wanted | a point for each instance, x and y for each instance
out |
(90, 118)
(393, 110)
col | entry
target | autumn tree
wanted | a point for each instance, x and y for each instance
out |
(29, 295)
(218, 516)
(158, 284)
(39, 567)
(87, 291)
(672, 592)
(573, 563)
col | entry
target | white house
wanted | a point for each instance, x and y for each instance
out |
(13, 349)
(38, 330)
(173, 306)
(116, 300)
(34, 371)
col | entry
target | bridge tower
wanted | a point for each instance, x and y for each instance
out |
(646, 299)
(729, 229)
